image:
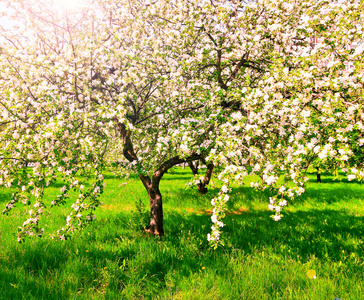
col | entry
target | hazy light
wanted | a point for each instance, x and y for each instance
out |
(68, 5)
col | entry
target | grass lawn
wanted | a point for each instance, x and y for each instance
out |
(321, 233)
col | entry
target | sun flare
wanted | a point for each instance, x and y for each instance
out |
(68, 5)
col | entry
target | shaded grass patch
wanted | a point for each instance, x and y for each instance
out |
(262, 259)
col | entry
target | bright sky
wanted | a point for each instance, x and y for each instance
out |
(5, 22)
(68, 4)
(59, 5)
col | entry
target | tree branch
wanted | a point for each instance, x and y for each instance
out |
(164, 167)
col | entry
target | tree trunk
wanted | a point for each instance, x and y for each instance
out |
(156, 212)
(194, 167)
(202, 186)
(151, 184)
(318, 176)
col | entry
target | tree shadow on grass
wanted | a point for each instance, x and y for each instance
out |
(331, 179)
(26, 267)
(5, 195)
(135, 258)
(249, 196)
(52, 269)
(319, 233)
(330, 195)
(12, 288)
(324, 234)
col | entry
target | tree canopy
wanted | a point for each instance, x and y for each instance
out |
(147, 85)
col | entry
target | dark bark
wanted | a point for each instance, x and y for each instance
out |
(156, 212)
(194, 167)
(318, 175)
(202, 185)
(152, 184)
(155, 196)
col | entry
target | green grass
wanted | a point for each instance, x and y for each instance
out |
(262, 259)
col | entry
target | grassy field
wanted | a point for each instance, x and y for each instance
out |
(321, 233)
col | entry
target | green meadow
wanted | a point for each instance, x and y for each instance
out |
(314, 252)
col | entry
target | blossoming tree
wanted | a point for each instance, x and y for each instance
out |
(155, 84)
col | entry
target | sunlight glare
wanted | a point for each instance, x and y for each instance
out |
(68, 5)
